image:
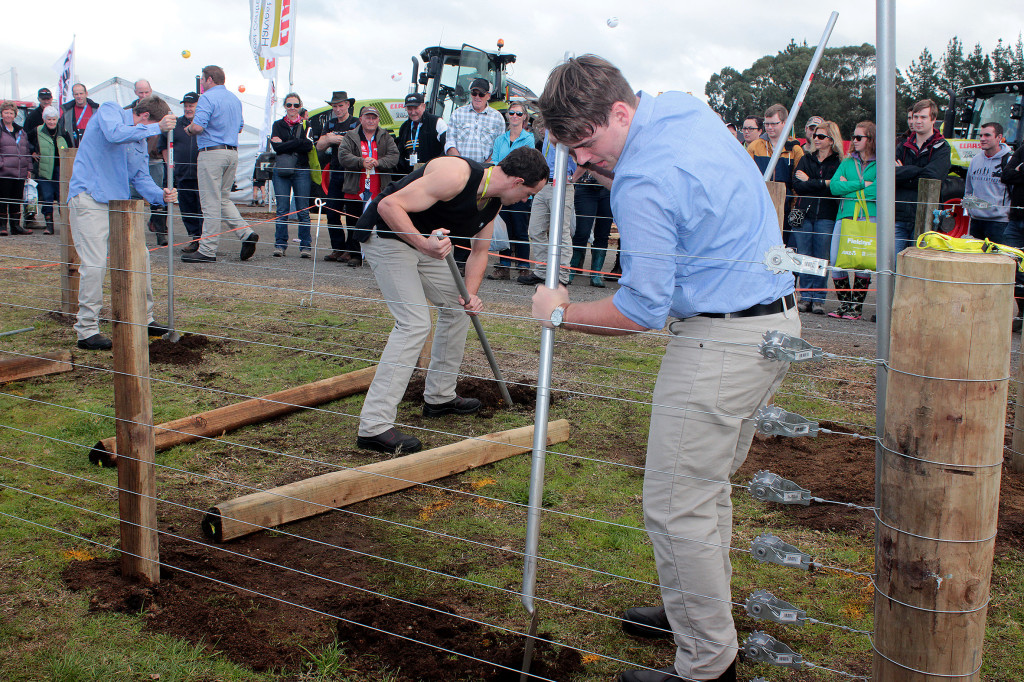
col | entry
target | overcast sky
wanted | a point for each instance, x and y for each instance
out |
(361, 46)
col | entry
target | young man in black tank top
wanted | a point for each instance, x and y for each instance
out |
(406, 231)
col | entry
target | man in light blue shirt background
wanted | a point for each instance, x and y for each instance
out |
(216, 125)
(695, 220)
(111, 160)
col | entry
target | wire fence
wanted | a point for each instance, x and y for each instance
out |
(459, 539)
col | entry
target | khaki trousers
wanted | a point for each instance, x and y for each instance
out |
(540, 225)
(216, 170)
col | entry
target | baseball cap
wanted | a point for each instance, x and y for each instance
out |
(480, 84)
(414, 100)
(44, 92)
(190, 98)
(369, 110)
(814, 121)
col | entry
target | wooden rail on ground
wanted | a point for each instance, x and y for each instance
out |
(320, 494)
(133, 402)
(17, 368)
(68, 255)
(217, 422)
(941, 463)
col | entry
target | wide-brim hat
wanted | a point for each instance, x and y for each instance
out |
(339, 96)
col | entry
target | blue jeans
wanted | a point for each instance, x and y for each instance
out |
(298, 183)
(904, 235)
(517, 223)
(593, 211)
(49, 192)
(1014, 236)
(814, 239)
(991, 230)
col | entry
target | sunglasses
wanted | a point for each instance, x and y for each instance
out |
(477, 93)
(292, 106)
(858, 138)
(516, 113)
(819, 136)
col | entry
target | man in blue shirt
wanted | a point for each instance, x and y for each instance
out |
(217, 122)
(109, 159)
(695, 221)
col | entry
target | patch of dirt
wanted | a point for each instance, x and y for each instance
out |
(520, 389)
(842, 469)
(266, 634)
(188, 351)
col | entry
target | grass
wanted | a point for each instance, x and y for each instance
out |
(592, 496)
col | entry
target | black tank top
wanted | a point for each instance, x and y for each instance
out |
(460, 214)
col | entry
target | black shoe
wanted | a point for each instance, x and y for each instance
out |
(355, 262)
(161, 239)
(669, 675)
(191, 247)
(157, 329)
(96, 342)
(457, 405)
(392, 442)
(530, 279)
(646, 621)
(197, 258)
(248, 246)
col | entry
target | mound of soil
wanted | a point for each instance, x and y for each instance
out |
(188, 351)
(842, 468)
(227, 611)
(522, 390)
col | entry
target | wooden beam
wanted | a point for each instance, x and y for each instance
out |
(133, 402)
(68, 255)
(1017, 439)
(929, 190)
(941, 464)
(219, 421)
(312, 496)
(14, 369)
(777, 191)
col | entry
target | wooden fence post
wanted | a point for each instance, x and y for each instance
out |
(133, 403)
(68, 254)
(928, 193)
(942, 461)
(777, 191)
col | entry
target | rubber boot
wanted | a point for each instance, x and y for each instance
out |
(857, 296)
(616, 270)
(597, 257)
(49, 223)
(842, 287)
(578, 255)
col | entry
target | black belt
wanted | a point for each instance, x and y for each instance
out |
(217, 146)
(776, 306)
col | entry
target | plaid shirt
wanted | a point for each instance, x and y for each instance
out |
(473, 133)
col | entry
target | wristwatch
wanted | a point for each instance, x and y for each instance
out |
(558, 315)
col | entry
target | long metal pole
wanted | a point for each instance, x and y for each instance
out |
(478, 326)
(540, 427)
(172, 335)
(808, 77)
(885, 139)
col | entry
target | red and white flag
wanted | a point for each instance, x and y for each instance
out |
(272, 24)
(65, 70)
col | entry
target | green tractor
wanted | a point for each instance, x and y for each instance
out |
(976, 105)
(445, 77)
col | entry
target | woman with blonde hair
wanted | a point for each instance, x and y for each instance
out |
(814, 236)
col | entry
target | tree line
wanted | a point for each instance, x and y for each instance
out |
(844, 84)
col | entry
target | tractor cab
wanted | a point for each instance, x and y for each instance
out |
(976, 105)
(448, 72)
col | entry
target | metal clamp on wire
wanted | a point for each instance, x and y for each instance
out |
(761, 647)
(769, 487)
(763, 605)
(772, 420)
(768, 549)
(780, 259)
(778, 345)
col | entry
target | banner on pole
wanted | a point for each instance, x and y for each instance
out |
(270, 32)
(269, 112)
(65, 70)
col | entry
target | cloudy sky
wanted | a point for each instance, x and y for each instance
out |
(362, 46)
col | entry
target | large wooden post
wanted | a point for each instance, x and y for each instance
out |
(68, 254)
(777, 191)
(941, 465)
(133, 403)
